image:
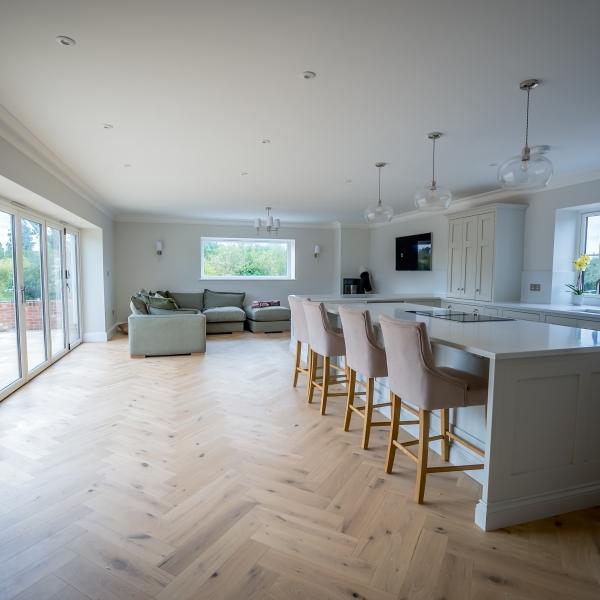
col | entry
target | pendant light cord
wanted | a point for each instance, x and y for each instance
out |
(527, 119)
(379, 201)
(433, 184)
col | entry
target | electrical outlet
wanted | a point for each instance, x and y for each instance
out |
(535, 287)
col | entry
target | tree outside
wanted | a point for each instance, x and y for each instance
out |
(240, 258)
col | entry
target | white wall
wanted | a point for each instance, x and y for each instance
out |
(543, 220)
(18, 166)
(551, 230)
(382, 259)
(355, 249)
(178, 269)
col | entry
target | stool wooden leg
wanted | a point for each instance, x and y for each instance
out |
(445, 426)
(394, 427)
(422, 457)
(297, 363)
(312, 374)
(351, 386)
(325, 390)
(368, 413)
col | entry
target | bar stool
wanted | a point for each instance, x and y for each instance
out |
(414, 377)
(301, 333)
(327, 342)
(364, 356)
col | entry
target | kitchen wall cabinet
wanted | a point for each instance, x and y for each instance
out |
(485, 253)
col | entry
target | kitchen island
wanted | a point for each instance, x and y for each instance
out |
(540, 427)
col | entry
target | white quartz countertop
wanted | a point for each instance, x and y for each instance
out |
(492, 339)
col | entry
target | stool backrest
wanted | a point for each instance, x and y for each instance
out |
(322, 336)
(412, 373)
(298, 319)
(363, 353)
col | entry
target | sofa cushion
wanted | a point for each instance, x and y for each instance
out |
(268, 313)
(178, 311)
(164, 303)
(217, 299)
(138, 306)
(224, 314)
(188, 299)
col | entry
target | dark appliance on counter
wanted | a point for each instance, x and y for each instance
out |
(352, 285)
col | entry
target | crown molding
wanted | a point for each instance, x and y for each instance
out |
(217, 222)
(497, 197)
(16, 134)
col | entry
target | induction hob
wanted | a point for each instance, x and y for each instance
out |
(460, 317)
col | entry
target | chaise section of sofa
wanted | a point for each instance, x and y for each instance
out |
(166, 335)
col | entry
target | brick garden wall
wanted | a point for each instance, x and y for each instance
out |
(33, 312)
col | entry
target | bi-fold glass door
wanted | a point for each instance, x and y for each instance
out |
(39, 295)
(10, 347)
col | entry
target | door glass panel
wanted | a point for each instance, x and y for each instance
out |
(31, 238)
(72, 286)
(10, 362)
(55, 291)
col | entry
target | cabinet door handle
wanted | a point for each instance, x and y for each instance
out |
(477, 291)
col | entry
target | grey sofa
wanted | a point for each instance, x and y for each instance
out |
(268, 319)
(223, 311)
(166, 335)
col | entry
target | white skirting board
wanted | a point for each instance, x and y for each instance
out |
(100, 336)
(538, 506)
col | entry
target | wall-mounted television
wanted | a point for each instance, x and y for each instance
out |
(413, 252)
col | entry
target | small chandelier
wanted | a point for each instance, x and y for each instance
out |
(529, 170)
(269, 224)
(379, 213)
(432, 197)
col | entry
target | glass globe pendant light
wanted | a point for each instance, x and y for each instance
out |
(529, 170)
(432, 197)
(380, 213)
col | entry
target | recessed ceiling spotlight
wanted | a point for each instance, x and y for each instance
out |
(265, 141)
(493, 165)
(244, 173)
(309, 74)
(65, 40)
(108, 126)
(348, 180)
(127, 165)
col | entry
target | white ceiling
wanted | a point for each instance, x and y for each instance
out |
(193, 86)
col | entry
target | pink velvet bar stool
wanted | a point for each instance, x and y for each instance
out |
(325, 341)
(414, 378)
(364, 356)
(301, 334)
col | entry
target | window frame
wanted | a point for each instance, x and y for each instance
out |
(291, 260)
(583, 238)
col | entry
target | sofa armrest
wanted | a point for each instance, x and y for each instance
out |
(164, 335)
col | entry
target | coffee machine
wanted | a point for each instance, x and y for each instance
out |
(352, 285)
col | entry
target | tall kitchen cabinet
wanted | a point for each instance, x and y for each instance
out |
(485, 253)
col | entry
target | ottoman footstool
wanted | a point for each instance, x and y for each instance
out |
(268, 319)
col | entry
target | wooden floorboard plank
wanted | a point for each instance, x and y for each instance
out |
(189, 477)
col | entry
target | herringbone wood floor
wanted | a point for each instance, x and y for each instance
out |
(210, 477)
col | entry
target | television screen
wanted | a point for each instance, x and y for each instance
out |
(413, 252)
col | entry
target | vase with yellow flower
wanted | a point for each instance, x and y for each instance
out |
(581, 263)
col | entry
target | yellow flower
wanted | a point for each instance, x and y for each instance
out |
(582, 262)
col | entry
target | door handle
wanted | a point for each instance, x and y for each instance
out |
(22, 291)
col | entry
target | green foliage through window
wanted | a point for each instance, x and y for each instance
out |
(246, 258)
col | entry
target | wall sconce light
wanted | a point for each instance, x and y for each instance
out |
(159, 248)
(317, 251)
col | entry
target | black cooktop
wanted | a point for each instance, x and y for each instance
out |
(457, 316)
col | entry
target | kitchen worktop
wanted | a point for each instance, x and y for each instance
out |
(495, 339)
